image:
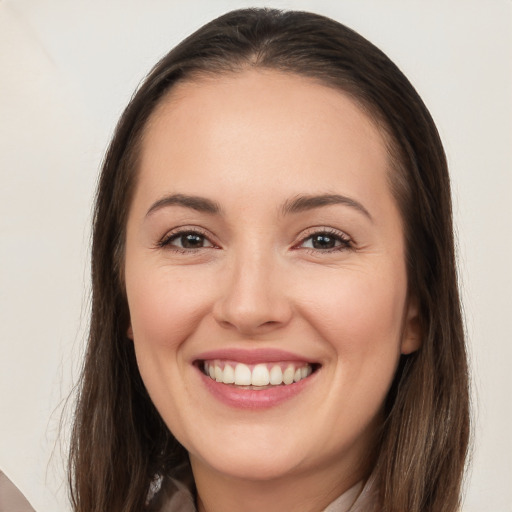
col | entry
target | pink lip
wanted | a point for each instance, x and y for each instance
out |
(254, 399)
(255, 356)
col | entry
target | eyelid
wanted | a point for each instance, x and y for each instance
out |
(347, 241)
(165, 240)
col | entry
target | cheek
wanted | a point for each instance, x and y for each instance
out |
(359, 313)
(360, 316)
(164, 309)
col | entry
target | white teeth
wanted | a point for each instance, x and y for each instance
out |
(288, 375)
(228, 374)
(276, 375)
(242, 375)
(261, 375)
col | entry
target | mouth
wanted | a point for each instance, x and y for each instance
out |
(260, 376)
(255, 379)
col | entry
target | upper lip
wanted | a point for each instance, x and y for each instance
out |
(252, 356)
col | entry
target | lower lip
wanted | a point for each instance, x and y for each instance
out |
(252, 398)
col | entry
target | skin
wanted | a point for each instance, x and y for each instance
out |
(253, 142)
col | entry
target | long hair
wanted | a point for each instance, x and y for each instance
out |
(119, 442)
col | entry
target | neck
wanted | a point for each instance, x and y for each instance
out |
(302, 492)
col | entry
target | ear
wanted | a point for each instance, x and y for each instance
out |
(411, 337)
(129, 332)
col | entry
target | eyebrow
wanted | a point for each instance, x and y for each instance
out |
(298, 204)
(306, 202)
(201, 204)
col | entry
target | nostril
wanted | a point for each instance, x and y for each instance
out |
(248, 326)
(226, 325)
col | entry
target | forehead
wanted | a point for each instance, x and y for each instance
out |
(258, 127)
(272, 88)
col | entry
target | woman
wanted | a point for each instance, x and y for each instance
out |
(275, 319)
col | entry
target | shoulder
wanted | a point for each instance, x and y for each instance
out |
(11, 499)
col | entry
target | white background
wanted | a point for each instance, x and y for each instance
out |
(67, 69)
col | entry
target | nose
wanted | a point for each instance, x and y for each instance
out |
(253, 299)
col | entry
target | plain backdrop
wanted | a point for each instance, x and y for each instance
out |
(67, 69)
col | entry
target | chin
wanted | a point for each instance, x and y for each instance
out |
(256, 468)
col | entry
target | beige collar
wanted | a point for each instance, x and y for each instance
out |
(175, 496)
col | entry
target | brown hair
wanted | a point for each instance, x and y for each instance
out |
(119, 441)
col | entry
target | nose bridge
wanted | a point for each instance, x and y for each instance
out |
(253, 297)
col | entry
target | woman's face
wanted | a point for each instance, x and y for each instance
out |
(264, 248)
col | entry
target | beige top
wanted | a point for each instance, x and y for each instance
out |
(175, 496)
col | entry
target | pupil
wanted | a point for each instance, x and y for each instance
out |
(323, 242)
(191, 241)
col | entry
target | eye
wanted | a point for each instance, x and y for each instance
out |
(326, 240)
(187, 240)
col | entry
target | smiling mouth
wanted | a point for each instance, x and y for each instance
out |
(256, 376)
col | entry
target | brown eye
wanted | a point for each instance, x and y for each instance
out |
(325, 241)
(189, 240)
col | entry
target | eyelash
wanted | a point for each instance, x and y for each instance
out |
(342, 239)
(165, 242)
